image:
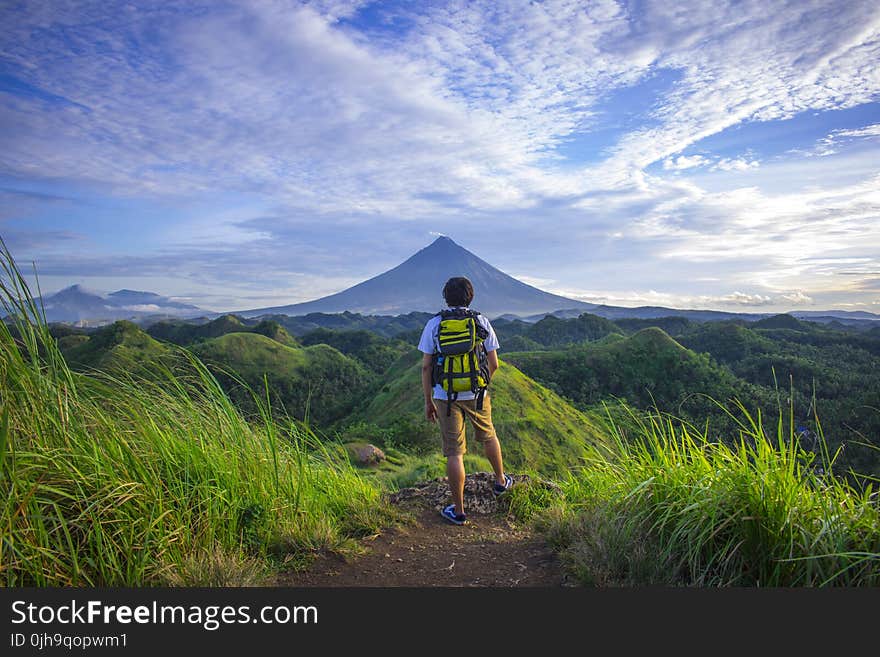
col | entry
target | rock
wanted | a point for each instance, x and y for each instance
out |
(364, 453)
(478, 496)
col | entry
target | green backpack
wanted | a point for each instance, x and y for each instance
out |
(462, 363)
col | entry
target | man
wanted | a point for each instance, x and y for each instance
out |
(458, 294)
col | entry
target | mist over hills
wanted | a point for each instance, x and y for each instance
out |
(77, 304)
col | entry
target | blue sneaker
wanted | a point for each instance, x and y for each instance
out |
(453, 517)
(498, 489)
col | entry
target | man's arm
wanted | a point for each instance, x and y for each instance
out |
(491, 345)
(492, 359)
(427, 388)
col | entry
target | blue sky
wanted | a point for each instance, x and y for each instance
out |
(237, 155)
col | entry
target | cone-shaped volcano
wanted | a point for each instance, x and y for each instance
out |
(417, 285)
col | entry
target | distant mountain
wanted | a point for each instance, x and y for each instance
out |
(839, 314)
(147, 301)
(566, 313)
(859, 319)
(654, 312)
(75, 304)
(417, 284)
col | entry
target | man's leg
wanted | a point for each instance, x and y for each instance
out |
(455, 474)
(492, 449)
(454, 448)
(484, 432)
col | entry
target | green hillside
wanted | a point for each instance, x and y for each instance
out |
(317, 382)
(782, 322)
(373, 351)
(830, 373)
(121, 346)
(185, 333)
(276, 332)
(552, 332)
(538, 430)
(646, 369)
(67, 342)
(673, 325)
(726, 341)
(387, 326)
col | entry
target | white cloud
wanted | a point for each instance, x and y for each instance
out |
(797, 297)
(457, 118)
(736, 164)
(684, 162)
(469, 104)
(142, 307)
(868, 131)
(735, 300)
(757, 68)
(830, 144)
(743, 299)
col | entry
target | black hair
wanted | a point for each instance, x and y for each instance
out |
(458, 291)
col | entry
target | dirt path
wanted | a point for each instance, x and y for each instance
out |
(490, 550)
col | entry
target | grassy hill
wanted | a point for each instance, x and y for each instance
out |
(646, 369)
(830, 373)
(673, 325)
(782, 321)
(186, 333)
(552, 332)
(121, 346)
(387, 326)
(317, 382)
(373, 351)
(538, 430)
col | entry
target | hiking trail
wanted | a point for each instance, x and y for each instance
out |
(491, 550)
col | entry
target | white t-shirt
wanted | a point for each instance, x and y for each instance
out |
(429, 344)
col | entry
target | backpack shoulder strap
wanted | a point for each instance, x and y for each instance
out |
(482, 333)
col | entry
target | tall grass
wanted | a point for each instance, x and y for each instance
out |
(665, 506)
(130, 481)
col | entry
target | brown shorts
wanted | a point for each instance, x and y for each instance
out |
(452, 426)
